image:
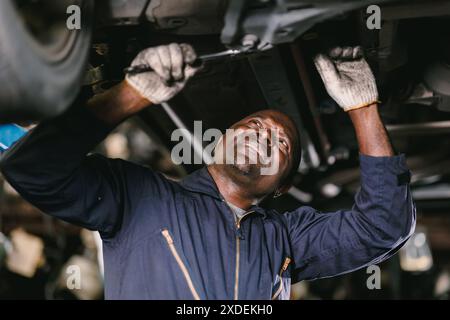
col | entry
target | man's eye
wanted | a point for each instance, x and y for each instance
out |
(257, 123)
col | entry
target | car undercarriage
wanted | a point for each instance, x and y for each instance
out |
(272, 67)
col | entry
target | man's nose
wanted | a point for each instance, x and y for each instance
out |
(264, 136)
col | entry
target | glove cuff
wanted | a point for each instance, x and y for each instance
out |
(150, 93)
(363, 105)
(136, 88)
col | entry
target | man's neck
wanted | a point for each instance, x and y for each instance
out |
(230, 190)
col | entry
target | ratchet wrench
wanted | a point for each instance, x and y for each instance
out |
(140, 68)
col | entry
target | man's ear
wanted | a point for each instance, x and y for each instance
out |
(285, 188)
(282, 190)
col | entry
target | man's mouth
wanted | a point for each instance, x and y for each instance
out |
(253, 151)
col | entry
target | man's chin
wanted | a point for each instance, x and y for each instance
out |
(248, 170)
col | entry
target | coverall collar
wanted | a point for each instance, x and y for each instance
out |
(200, 181)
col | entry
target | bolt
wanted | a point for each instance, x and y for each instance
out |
(101, 48)
(249, 41)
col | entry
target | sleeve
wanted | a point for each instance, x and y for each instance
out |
(50, 169)
(381, 220)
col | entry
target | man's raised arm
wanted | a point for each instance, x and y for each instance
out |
(50, 168)
(383, 215)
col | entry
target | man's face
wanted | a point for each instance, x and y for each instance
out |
(258, 150)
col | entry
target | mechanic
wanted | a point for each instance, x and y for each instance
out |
(206, 237)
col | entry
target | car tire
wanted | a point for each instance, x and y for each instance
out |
(42, 66)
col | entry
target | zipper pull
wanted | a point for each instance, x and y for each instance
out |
(166, 235)
(239, 233)
(286, 264)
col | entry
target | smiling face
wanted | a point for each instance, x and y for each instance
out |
(259, 151)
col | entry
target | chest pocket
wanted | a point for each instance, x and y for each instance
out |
(282, 284)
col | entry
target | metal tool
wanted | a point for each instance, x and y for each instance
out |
(200, 60)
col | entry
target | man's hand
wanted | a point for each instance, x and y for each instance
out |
(172, 65)
(347, 77)
(350, 82)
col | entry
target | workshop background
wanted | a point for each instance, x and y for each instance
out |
(410, 57)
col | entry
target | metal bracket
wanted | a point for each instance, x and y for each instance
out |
(280, 21)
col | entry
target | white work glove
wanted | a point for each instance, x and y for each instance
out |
(172, 68)
(347, 77)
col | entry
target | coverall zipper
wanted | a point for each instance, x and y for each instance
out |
(238, 247)
(283, 269)
(180, 263)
